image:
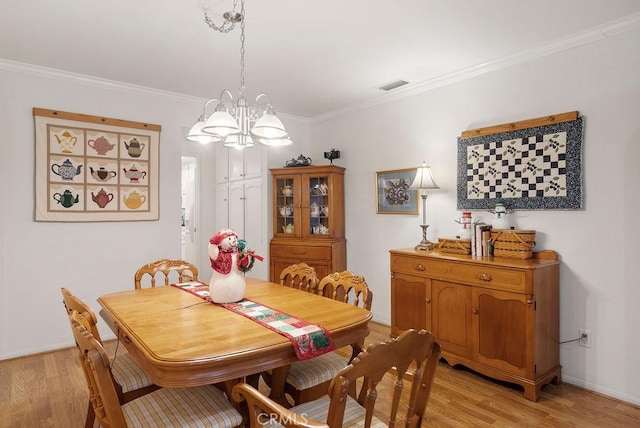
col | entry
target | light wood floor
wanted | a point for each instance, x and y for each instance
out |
(49, 390)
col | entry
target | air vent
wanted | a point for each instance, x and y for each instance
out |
(393, 85)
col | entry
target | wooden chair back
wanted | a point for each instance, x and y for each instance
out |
(173, 271)
(300, 276)
(346, 287)
(73, 303)
(412, 350)
(95, 364)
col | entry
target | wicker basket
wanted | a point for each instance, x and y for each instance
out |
(515, 244)
(451, 245)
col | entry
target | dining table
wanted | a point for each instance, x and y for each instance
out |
(181, 340)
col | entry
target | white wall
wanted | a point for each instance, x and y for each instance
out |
(599, 245)
(91, 259)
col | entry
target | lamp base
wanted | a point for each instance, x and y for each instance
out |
(425, 244)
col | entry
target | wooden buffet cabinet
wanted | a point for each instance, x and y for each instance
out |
(497, 316)
(308, 219)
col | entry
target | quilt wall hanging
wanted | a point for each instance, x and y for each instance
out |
(91, 168)
(535, 164)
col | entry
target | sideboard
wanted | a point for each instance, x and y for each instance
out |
(496, 316)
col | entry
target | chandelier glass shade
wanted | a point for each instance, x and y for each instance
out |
(238, 124)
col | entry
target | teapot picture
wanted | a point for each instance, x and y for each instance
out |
(67, 171)
(134, 148)
(102, 198)
(67, 142)
(66, 199)
(134, 174)
(287, 190)
(101, 145)
(134, 200)
(321, 229)
(288, 228)
(102, 174)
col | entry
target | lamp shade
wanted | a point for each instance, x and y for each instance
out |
(268, 126)
(196, 134)
(276, 142)
(238, 141)
(424, 179)
(221, 123)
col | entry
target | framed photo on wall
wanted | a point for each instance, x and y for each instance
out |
(393, 193)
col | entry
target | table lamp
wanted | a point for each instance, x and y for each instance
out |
(423, 182)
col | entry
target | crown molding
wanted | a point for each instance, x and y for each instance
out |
(96, 82)
(609, 29)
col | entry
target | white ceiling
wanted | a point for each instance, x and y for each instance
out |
(312, 57)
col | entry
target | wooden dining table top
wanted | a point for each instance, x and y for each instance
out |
(181, 340)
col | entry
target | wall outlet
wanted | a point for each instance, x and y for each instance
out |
(585, 338)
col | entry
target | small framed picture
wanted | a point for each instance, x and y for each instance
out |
(393, 193)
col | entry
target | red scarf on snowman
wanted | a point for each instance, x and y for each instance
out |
(222, 264)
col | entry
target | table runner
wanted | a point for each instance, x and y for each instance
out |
(309, 340)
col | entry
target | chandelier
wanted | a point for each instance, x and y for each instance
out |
(238, 124)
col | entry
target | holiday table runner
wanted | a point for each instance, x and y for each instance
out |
(309, 340)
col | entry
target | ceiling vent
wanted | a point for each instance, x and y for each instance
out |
(393, 85)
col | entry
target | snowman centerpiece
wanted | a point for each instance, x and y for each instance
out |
(229, 260)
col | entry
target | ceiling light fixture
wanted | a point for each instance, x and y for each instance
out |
(240, 124)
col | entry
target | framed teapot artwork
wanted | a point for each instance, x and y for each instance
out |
(91, 168)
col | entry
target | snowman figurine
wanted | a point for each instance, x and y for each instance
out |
(500, 220)
(227, 283)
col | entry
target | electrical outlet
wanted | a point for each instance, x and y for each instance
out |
(585, 338)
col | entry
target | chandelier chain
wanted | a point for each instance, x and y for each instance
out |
(227, 25)
(242, 13)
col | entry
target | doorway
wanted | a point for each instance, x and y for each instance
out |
(190, 208)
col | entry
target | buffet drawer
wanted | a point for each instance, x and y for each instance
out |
(420, 266)
(490, 277)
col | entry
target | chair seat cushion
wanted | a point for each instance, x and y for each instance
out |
(354, 413)
(127, 373)
(201, 406)
(308, 373)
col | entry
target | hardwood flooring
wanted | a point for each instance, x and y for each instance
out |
(49, 390)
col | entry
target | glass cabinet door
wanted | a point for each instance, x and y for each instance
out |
(286, 195)
(319, 206)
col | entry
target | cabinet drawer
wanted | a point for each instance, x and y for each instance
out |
(296, 252)
(420, 266)
(490, 277)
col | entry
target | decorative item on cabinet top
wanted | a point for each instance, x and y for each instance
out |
(300, 161)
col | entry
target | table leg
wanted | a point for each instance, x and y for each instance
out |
(278, 377)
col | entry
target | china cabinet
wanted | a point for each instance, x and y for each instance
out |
(497, 316)
(308, 219)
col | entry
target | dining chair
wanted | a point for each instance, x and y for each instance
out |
(173, 271)
(353, 392)
(130, 381)
(300, 276)
(200, 406)
(308, 380)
